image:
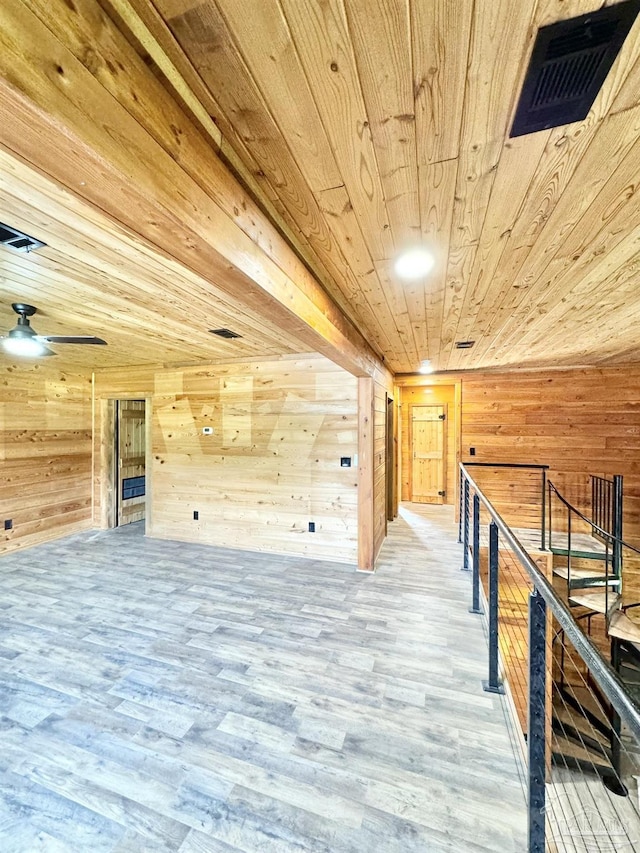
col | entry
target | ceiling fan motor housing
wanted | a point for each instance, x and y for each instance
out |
(23, 328)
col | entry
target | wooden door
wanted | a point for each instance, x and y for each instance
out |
(131, 460)
(428, 431)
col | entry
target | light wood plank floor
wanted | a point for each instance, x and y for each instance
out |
(157, 696)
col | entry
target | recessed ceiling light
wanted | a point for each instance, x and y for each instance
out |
(425, 367)
(414, 263)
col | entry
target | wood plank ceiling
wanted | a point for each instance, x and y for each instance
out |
(94, 278)
(361, 127)
(369, 124)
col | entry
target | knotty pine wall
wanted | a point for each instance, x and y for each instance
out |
(579, 422)
(45, 453)
(272, 463)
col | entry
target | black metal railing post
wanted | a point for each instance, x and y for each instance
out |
(550, 527)
(475, 605)
(543, 516)
(609, 507)
(465, 528)
(460, 498)
(614, 783)
(536, 734)
(617, 525)
(606, 575)
(568, 549)
(493, 685)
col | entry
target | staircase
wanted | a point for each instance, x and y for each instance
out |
(584, 737)
(589, 568)
(629, 667)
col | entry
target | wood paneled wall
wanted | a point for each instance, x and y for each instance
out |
(270, 467)
(122, 383)
(272, 464)
(45, 453)
(579, 422)
(436, 395)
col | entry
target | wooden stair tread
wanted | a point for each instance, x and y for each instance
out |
(563, 746)
(578, 553)
(589, 702)
(624, 628)
(596, 601)
(580, 574)
(579, 542)
(569, 717)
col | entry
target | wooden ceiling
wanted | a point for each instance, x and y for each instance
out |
(94, 278)
(359, 127)
(370, 124)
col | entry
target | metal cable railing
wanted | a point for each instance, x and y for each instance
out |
(582, 723)
(531, 489)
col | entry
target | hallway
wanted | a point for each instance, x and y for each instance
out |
(159, 696)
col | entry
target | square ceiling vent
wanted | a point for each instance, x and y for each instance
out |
(225, 333)
(18, 241)
(568, 66)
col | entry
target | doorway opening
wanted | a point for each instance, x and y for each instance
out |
(429, 439)
(130, 450)
(390, 460)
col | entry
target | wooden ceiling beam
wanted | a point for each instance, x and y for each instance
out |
(295, 213)
(116, 138)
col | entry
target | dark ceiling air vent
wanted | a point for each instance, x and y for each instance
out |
(18, 241)
(569, 64)
(225, 333)
(464, 344)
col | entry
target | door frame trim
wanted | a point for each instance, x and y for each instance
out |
(109, 461)
(416, 381)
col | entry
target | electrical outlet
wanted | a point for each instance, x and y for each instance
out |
(195, 515)
(8, 524)
(312, 527)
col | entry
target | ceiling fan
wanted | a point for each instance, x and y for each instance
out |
(23, 340)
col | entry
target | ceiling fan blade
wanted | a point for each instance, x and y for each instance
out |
(72, 339)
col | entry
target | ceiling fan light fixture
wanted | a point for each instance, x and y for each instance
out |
(21, 344)
(23, 340)
(414, 263)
